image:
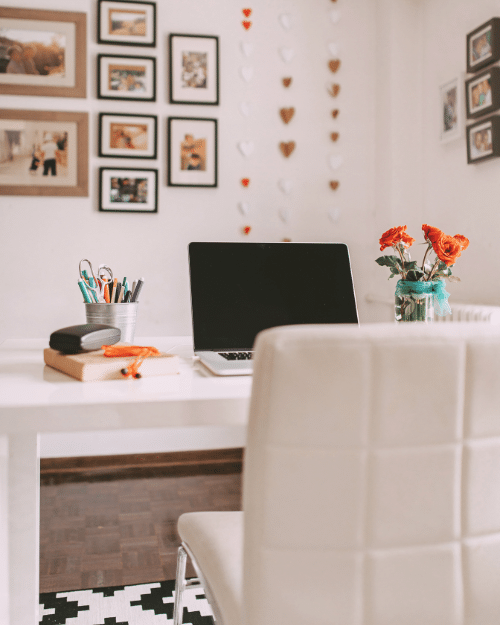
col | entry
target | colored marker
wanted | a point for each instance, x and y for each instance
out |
(137, 290)
(120, 296)
(127, 297)
(106, 293)
(117, 292)
(113, 291)
(85, 293)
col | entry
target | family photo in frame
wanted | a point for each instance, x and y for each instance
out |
(127, 136)
(121, 77)
(125, 23)
(483, 140)
(482, 93)
(131, 190)
(192, 152)
(451, 95)
(483, 45)
(194, 69)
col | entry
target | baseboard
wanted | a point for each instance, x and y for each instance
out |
(178, 463)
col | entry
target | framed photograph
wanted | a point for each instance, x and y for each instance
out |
(194, 69)
(127, 136)
(192, 152)
(43, 53)
(483, 140)
(43, 153)
(452, 118)
(126, 23)
(482, 93)
(483, 45)
(128, 190)
(126, 77)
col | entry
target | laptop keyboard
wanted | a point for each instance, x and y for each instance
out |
(237, 355)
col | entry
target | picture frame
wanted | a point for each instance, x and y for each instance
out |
(451, 110)
(483, 45)
(194, 69)
(483, 140)
(192, 152)
(128, 136)
(122, 77)
(482, 93)
(43, 53)
(128, 190)
(126, 23)
(43, 153)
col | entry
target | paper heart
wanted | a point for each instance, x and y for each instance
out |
(286, 54)
(334, 65)
(246, 147)
(247, 12)
(287, 81)
(244, 207)
(246, 72)
(335, 16)
(287, 114)
(334, 184)
(334, 136)
(285, 21)
(335, 161)
(284, 213)
(285, 185)
(245, 108)
(333, 89)
(246, 24)
(246, 48)
(335, 113)
(334, 214)
(333, 48)
(287, 148)
(245, 182)
(246, 229)
(286, 240)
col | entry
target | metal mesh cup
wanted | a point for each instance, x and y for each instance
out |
(122, 316)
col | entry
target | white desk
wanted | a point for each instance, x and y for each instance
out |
(35, 398)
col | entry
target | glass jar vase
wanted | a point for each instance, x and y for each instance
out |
(414, 301)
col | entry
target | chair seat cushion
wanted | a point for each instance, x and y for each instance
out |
(215, 539)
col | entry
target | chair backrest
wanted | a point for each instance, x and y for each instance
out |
(372, 476)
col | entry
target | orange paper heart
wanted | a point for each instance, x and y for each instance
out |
(334, 90)
(334, 184)
(246, 25)
(287, 148)
(287, 114)
(247, 12)
(245, 182)
(287, 82)
(334, 65)
(334, 136)
(335, 112)
(246, 229)
(286, 240)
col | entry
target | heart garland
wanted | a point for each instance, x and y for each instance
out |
(246, 147)
(247, 12)
(246, 48)
(287, 114)
(334, 136)
(334, 184)
(285, 185)
(334, 65)
(246, 72)
(244, 207)
(286, 54)
(245, 182)
(246, 24)
(285, 20)
(335, 113)
(287, 81)
(287, 148)
(333, 89)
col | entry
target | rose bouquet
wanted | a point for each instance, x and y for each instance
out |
(421, 286)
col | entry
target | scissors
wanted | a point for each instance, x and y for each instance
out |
(96, 287)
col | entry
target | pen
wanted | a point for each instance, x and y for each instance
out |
(84, 291)
(120, 295)
(127, 297)
(117, 293)
(137, 290)
(106, 293)
(113, 291)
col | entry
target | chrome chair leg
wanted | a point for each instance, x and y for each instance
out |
(180, 584)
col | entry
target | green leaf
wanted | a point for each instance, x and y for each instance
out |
(414, 275)
(454, 279)
(389, 261)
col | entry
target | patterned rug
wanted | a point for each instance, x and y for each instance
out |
(142, 604)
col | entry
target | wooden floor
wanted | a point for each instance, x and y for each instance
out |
(122, 531)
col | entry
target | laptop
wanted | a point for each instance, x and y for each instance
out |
(239, 289)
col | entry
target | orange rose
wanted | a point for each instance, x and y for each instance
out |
(464, 241)
(393, 236)
(432, 234)
(447, 249)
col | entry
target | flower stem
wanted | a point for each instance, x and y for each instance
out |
(403, 274)
(433, 270)
(425, 257)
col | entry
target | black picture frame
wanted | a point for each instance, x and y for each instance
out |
(125, 64)
(130, 144)
(205, 72)
(484, 86)
(133, 38)
(121, 201)
(483, 45)
(192, 152)
(483, 140)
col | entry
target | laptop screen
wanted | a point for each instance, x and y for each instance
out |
(239, 289)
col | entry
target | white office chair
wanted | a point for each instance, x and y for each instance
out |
(371, 482)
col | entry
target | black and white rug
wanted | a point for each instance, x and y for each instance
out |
(142, 604)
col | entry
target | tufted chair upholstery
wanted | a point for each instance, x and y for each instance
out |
(371, 481)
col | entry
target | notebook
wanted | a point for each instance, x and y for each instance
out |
(239, 289)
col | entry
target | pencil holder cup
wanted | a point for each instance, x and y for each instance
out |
(122, 316)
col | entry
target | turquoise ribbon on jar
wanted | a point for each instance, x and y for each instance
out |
(436, 288)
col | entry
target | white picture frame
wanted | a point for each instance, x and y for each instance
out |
(451, 99)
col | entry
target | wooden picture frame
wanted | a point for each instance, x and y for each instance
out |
(194, 69)
(122, 77)
(483, 140)
(128, 190)
(483, 45)
(128, 136)
(45, 53)
(192, 152)
(126, 23)
(43, 153)
(482, 93)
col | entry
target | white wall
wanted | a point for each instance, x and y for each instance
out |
(42, 239)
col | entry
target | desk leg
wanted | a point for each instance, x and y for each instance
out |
(23, 533)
